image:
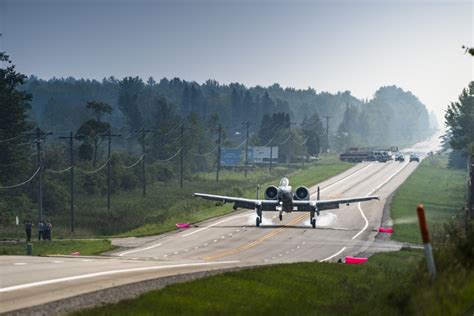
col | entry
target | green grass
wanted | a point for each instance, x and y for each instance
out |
(441, 190)
(58, 247)
(288, 289)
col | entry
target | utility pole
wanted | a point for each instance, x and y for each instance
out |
(39, 134)
(290, 140)
(182, 156)
(71, 178)
(247, 124)
(219, 153)
(144, 131)
(327, 134)
(109, 166)
(271, 154)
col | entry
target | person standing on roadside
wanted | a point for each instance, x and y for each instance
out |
(40, 231)
(28, 227)
(49, 227)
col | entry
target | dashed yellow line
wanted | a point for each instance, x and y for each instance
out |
(259, 240)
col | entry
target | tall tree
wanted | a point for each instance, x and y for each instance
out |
(130, 88)
(93, 130)
(313, 130)
(459, 119)
(13, 121)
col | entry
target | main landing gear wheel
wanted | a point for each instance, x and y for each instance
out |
(280, 217)
(313, 222)
(258, 221)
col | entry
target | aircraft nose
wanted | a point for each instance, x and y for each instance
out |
(286, 196)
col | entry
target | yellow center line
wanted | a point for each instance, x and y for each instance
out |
(259, 240)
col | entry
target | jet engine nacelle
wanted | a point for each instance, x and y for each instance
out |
(271, 193)
(302, 193)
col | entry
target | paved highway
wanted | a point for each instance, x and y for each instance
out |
(229, 241)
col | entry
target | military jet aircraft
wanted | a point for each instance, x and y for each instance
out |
(283, 199)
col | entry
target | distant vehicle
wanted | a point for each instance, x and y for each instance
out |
(381, 156)
(414, 157)
(282, 199)
(356, 154)
(400, 157)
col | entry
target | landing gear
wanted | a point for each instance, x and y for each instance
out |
(280, 216)
(313, 219)
(258, 220)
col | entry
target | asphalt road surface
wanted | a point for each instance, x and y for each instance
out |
(229, 241)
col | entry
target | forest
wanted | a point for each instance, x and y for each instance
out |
(392, 116)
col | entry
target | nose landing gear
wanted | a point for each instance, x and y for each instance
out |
(258, 220)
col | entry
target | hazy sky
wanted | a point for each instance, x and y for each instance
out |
(328, 45)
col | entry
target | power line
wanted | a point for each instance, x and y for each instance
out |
(22, 183)
(135, 163)
(95, 170)
(170, 158)
(12, 138)
(182, 156)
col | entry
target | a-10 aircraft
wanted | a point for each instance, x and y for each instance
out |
(282, 199)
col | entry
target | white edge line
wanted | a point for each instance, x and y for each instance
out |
(376, 188)
(137, 250)
(217, 223)
(91, 275)
(334, 255)
(362, 212)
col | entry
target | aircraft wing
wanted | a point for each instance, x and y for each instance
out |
(322, 205)
(267, 205)
(332, 204)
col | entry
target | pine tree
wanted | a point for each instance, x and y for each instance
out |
(459, 118)
(14, 125)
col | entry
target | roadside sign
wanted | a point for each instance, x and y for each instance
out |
(261, 154)
(231, 157)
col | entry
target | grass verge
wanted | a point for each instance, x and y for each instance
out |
(287, 289)
(440, 189)
(58, 247)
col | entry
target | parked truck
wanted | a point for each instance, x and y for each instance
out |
(356, 154)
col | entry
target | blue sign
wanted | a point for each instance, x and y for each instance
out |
(231, 157)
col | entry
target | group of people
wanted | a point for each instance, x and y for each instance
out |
(44, 230)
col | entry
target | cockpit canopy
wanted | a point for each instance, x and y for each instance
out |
(284, 182)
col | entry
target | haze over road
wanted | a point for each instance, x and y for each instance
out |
(229, 241)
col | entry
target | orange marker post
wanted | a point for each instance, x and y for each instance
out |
(425, 236)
